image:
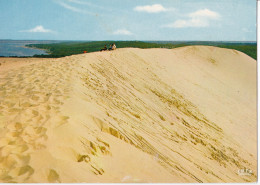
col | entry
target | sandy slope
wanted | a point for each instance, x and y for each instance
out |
(131, 115)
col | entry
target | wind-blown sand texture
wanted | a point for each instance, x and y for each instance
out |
(130, 115)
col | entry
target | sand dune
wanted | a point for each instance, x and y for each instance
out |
(130, 115)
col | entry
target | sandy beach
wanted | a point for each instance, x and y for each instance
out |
(130, 115)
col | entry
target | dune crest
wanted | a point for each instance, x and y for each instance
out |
(131, 115)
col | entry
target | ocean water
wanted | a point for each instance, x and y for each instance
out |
(16, 48)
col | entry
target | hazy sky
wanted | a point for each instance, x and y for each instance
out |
(228, 20)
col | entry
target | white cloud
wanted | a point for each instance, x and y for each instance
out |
(72, 8)
(156, 8)
(200, 18)
(84, 3)
(65, 4)
(122, 32)
(38, 29)
(205, 13)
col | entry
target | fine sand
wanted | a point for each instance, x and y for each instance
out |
(130, 115)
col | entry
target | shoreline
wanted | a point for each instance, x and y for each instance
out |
(35, 48)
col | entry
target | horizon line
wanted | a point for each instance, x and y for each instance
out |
(129, 40)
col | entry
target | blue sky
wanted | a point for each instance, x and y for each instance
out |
(226, 20)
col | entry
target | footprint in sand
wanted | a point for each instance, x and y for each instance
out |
(35, 113)
(53, 176)
(63, 120)
(35, 98)
(26, 170)
(41, 131)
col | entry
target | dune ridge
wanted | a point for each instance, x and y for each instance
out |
(132, 115)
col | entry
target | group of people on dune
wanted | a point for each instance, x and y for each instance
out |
(111, 47)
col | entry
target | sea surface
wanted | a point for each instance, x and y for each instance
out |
(17, 48)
